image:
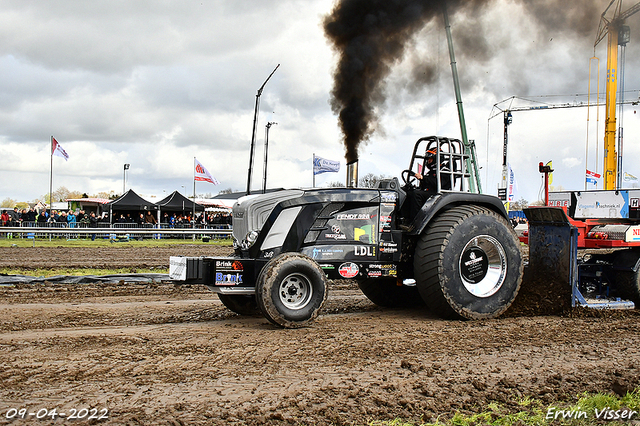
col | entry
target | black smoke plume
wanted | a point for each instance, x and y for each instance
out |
(371, 36)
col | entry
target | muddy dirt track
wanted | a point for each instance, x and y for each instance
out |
(165, 354)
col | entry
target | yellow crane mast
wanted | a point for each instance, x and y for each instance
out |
(617, 34)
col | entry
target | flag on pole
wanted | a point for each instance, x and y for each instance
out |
(550, 165)
(203, 175)
(628, 177)
(322, 165)
(592, 177)
(512, 187)
(57, 150)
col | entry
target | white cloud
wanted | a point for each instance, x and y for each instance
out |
(572, 162)
(155, 83)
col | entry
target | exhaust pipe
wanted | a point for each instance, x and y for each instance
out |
(352, 174)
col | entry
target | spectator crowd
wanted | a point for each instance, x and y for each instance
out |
(72, 219)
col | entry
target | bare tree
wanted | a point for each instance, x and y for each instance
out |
(107, 195)
(8, 202)
(519, 205)
(370, 180)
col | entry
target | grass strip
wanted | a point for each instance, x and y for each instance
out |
(587, 410)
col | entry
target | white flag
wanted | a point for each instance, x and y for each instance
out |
(57, 150)
(513, 186)
(202, 174)
(322, 165)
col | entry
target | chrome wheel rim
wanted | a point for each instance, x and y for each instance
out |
(483, 266)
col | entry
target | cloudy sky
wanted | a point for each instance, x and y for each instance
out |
(157, 83)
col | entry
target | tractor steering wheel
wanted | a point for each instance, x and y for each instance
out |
(409, 178)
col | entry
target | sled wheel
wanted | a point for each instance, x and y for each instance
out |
(628, 281)
(241, 304)
(468, 264)
(387, 293)
(291, 290)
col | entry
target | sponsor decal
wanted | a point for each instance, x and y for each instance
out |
(388, 249)
(327, 266)
(388, 244)
(228, 279)
(382, 266)
(633, 234)
(474, 265)
(388, 197)
(318, 253)
(348, 270)
(382, 270)
(364, 251)
(354, 216)
(233, 265)
(335, 236)
(365, 234)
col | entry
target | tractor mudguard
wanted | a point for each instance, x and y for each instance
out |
(445, 201)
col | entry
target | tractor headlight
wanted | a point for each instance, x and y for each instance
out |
(249, 240)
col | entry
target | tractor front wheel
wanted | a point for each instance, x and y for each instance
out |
(291, 290)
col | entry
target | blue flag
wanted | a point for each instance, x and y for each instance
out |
(592, 180)
(322, 165)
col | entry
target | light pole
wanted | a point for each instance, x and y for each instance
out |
(255, 128)
(124, 177)
(266, 150)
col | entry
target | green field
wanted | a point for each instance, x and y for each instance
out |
(86, 242)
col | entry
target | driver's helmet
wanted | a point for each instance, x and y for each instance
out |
(431, 156)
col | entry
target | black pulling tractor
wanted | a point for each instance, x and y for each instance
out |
(458, 256)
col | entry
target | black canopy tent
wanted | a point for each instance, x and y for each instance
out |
(128, 203)
(176, 202)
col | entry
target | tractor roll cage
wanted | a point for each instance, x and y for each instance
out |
(451, 161)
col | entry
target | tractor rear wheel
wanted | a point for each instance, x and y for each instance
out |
(241, 304)
(387, 293)
(291, 290)
(467, 264)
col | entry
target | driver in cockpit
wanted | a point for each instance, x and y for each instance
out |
(427, 184)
